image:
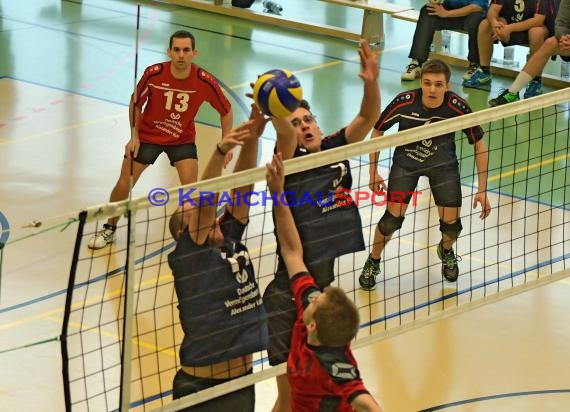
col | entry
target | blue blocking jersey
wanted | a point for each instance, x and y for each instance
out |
(219, 302)
(407, 110)
(328, 227)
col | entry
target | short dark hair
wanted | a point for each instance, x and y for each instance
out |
(437, 66)
(182, 34)
(305, 105)
(336, 318)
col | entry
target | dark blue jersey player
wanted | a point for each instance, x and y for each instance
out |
(435, 158)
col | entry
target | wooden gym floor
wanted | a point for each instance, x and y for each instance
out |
(66, 74)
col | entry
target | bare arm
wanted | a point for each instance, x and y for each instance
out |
(376, 182)
(365, 403)
(536, 21)
(286, 138)
(360, 126)
(226, 122)
(134, 120)
(493, 14)
(289, 240)
(482, 162)
(247, 160)
(204, 215)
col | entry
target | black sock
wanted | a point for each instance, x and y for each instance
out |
(485, 69)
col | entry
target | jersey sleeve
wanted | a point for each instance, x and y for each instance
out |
(457, 104)
(543, 7)
(231, 227)
(142, 86)
(334, 140)
(304, 290)
(389, 115)
(214, 94)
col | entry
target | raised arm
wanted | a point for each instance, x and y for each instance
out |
(289, 240)
(204, 215)
(360, 126)
(247, 160)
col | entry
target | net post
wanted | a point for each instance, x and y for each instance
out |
(67, 312)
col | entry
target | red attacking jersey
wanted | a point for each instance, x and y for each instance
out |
(321, 378)
(172, 104)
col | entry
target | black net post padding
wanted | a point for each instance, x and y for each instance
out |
(67, 311)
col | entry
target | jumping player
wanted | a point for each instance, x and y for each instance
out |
(326, 231)
(171, 94)
(321, 369)
(211, 267)
(434, 158)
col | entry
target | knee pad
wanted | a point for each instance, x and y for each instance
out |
(451, 229)
(389, 223)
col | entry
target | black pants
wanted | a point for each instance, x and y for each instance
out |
(242, 400)
(428, 25)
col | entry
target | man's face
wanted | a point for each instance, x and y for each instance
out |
(434, 86)
(181, 53)
(308, 132)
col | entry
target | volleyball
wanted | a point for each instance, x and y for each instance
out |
(277, 93)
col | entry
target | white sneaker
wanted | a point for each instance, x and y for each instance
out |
(413, 72)
(102, 238)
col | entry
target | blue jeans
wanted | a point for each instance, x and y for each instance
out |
(428, 25)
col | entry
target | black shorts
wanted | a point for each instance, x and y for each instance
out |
(148, 152)
(242, 400)
(443, 181)
(517, 38)
(281, 310)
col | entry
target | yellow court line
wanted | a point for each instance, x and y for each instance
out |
(529, 167)
(138, 342)
(329, 64)
(161, 279)
(62, 129)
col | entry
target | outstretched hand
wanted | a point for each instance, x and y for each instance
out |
(368, 62)
(481, 198)
(275, 174)
(259, 120)
(237, 136)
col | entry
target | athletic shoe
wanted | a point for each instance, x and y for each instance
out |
(413, 72)
(472, 69)
(370, 274)
(102, 238)
(449, 268)
(534, 88)
(479, 78)
(504, 98)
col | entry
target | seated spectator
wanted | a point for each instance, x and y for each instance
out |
(557, 44)
(445, 15)
(512, 22)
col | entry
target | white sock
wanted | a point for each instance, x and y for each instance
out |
(522, 79)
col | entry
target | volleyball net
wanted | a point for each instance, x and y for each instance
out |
(121, 333)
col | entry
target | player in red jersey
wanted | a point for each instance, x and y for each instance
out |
(321, 369)
(171, 94)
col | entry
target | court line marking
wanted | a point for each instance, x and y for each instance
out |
(493, 397)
